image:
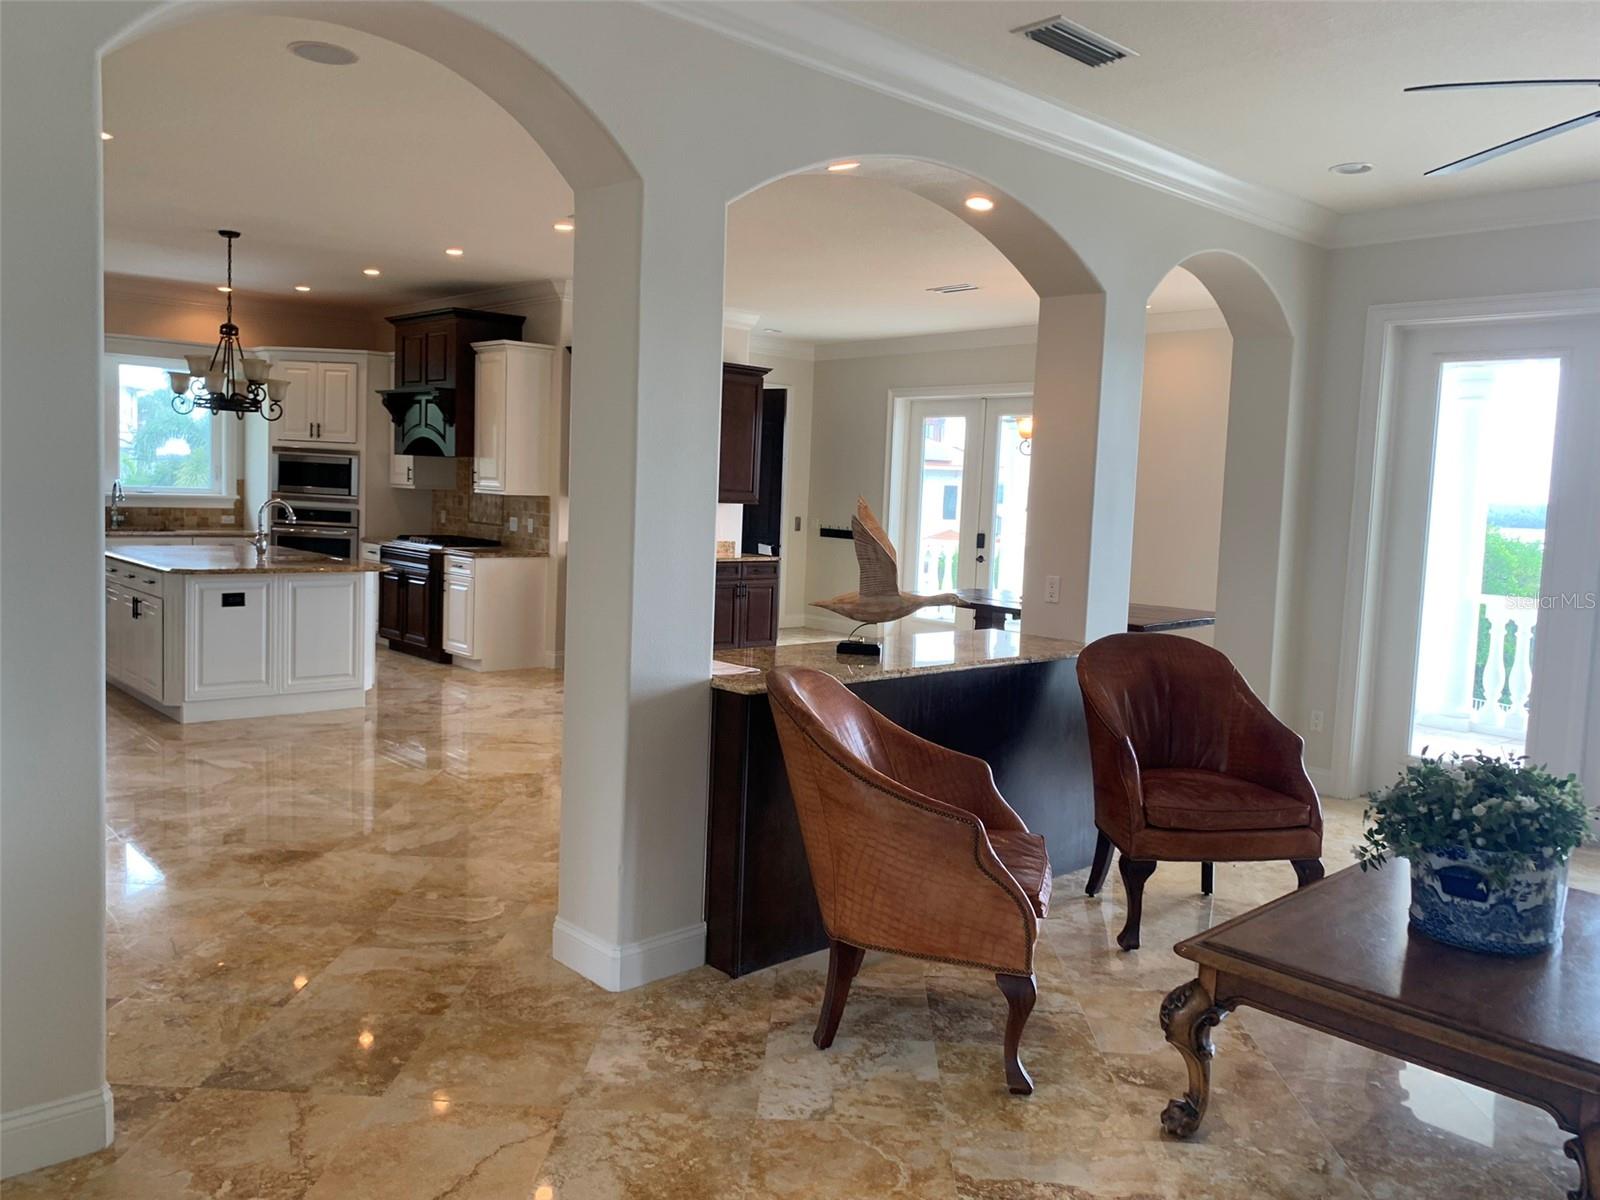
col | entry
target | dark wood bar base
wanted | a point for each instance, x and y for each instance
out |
(1024, 719)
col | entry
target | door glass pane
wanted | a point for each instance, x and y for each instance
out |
(1485, 555)
(1009, 528)
(938, 543)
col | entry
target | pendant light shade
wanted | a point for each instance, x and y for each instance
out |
(233, 383)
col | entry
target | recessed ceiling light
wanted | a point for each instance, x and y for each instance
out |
(1350, 168)
(979, 203)
(323, 53)
(564, 226)
(104, 136)
(371, 271)
(220, 288)
(950, 289)
(301, 287)
(843, 166)
(455, 251)
(770, 329)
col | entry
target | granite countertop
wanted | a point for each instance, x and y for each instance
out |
(234, 560)
(904, 653)
(740, 558)
(159, 534)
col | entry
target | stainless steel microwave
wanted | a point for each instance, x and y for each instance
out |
(315, 473)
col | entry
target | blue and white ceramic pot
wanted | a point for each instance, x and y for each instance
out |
(1453, 901)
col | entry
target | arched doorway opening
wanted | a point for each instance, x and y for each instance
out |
(1213, 457)
(54, 993)
(911, 313)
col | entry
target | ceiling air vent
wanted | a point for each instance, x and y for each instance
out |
(950, 289)
(1076, 42)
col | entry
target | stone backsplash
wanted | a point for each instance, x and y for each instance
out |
(463, 511)
(138, 516)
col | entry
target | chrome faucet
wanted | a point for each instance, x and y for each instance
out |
(263, 536)
(117, 497)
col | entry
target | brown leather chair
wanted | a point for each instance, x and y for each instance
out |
(911, 848)
(1189, 766)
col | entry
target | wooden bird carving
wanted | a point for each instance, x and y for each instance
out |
(879, 597)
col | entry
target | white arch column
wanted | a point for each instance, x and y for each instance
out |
(645, 426)
(1085, 459)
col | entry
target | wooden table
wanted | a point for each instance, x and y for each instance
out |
(990, 610)
(1337, 956)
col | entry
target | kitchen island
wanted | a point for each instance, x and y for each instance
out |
(1010, 699)
(216, 632)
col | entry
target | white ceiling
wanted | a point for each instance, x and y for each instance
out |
(1277, 91)
(325, 170)
(837, 258)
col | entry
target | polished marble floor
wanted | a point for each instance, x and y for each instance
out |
(329, 978)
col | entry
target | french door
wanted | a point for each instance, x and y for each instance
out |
(965, 511)
(1487, 630)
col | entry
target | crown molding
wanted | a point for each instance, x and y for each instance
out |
(770, 346)
(737, 318)
(1470, 214)
(837, 45)
(537, 291)
(929, 343)
(844, 48)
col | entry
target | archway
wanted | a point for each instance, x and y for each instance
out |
(54, 982)
(1020, 273)
(1236, 509)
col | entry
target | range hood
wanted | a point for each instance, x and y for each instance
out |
(432, 400)
(424, 420)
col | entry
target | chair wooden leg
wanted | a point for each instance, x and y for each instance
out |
(1134, 872)
(1307, 870)
(844, 961)
(1020, 992)
(1102, 865)
(1208, 878)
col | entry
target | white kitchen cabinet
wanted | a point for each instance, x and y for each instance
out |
(116, 634)
(494, 611)
(321, 404)
(458, 614)
(135, 643)
(230, 638)
(516, 427)
(322, 632)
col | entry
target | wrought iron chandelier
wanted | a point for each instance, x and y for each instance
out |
(229, 380)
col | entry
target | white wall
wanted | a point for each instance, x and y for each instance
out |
(1545, 258)
(1183, 441)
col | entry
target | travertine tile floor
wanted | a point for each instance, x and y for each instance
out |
(329, 978)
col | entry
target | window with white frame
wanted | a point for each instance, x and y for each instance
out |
(160, 455)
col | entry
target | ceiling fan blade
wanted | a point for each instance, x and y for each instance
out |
(1504, 83)
(1527, 139)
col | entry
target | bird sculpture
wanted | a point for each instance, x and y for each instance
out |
(879, 597)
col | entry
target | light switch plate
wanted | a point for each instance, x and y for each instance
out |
(227, 518)
(511, 524)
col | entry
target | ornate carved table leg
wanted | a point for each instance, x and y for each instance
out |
(1585, 1151)
(1187, 1018)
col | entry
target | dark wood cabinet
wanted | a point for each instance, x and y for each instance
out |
(745, 611)
(390, 600)
(739, 453)
(434, 350)
(417, 613)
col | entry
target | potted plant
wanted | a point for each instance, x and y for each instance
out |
(1488, 840)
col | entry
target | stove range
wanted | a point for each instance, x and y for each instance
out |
(446, 541)
(411, 591)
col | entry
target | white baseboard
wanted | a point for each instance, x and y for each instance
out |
(620, 967)
(55, 1131)
(551, 659)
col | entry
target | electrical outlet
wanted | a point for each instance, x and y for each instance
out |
(227, 518)
(797, 521)
(1052, 589)
(511, 524)
(443, 516)
(1317, 719)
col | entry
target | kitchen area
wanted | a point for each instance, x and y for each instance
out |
(400, 498)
